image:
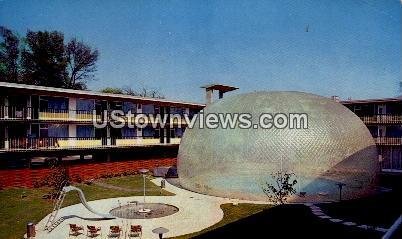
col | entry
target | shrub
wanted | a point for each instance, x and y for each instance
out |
(281, 189)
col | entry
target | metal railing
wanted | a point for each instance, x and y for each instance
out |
(55, 143)
(15, 112)
(382, 119)
(29, 113)
(388, 140)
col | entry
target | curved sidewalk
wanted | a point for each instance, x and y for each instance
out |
(196, 212)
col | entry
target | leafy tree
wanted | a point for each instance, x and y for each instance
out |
(281, 189)
(9, 53)
(112, 90)
(81, 63)
(44, 62)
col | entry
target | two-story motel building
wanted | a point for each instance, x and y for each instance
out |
(35, 120)
(383, 118)
(41, 119)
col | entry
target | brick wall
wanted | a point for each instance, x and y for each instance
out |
(28, 177)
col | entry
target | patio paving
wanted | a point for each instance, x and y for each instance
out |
(196, 212)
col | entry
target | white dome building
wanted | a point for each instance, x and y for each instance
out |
(336, 147)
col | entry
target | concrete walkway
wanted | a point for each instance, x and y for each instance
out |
(196, 212)
(319, 213)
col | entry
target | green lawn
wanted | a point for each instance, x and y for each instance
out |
(136, 183)
(231, 213)
(16, 211)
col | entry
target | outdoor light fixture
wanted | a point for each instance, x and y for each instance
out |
(340, 186)
(144, 172)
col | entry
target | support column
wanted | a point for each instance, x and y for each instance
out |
(72, 134)
(108, 139)
(6, 139)
(6, 107)
(29, 107)
(139, 132)
(72, 108)
(72, 131)
(162, 130)
(139, 109)
(167, 126)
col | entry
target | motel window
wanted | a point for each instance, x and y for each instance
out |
(177, 110)
(85, 105)
(148, 109)
(43, 131)
(148, 132)
(128, 132)
(157, 109)
(192, 112)
(54, 103)
(129, 106)
(157, 133)
(357, 108)
(116, 105)
(394, 131)
(178, 132)
(58, 130)
(85, 131)
(43, 104)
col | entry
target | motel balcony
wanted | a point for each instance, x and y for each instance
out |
(382, 119)
(390, 141)
(52, 143)
(12, 113)
(15, 113)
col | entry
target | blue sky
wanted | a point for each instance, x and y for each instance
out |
(352, 48)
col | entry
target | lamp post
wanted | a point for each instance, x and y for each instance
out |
(340, 185)
(144, 172)
(160, 231)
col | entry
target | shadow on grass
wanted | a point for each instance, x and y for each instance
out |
(287, 221)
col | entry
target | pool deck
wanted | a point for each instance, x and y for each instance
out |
(196, 212)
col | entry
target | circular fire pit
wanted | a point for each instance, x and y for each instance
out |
(144, 211)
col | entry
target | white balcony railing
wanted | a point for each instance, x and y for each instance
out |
(388, 140)
(382, 119)
(79, 143)
(29, 113)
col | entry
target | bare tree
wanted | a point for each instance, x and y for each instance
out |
(152, 93)
(81, 63)
(57, 178)
(283, 187)
(144, 92)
